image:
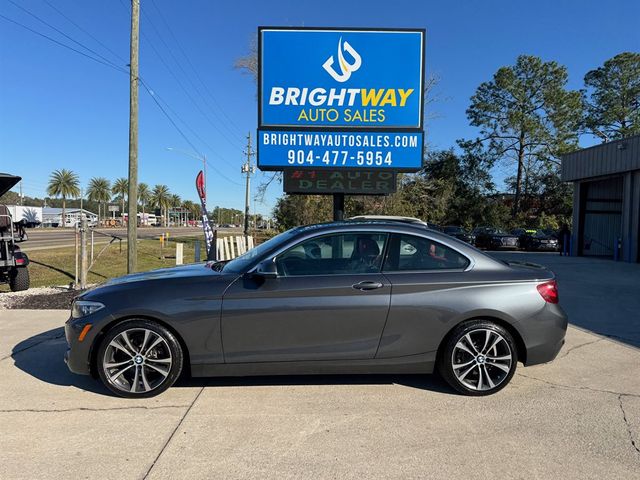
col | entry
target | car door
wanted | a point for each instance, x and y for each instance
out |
(427, 278)
(329, 302)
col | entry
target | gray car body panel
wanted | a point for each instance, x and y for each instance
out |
(242, 324)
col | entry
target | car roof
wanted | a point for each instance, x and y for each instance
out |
(389, 218)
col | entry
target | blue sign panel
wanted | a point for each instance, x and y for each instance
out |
(399, 151)
(359, 79)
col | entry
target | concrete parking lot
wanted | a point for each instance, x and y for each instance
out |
(577, 417)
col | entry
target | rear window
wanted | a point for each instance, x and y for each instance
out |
(412, 253)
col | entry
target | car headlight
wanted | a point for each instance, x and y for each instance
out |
(82, 308)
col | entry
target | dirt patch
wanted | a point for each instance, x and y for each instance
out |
(50, 298)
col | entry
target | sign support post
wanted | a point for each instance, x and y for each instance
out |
(338, 207)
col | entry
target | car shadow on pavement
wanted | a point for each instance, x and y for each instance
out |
(41, 356)
(432, 383)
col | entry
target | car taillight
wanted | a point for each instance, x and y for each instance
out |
(549, 291)
(19, 261)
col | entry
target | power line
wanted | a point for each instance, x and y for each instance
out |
(181, 85)
(110, 65)
(195, 71)
(62, 33)
(186, 139)
(235, 143)
(195, 134)
(89, 34)
(189, 96)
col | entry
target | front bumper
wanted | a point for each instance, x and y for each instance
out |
(78, 354)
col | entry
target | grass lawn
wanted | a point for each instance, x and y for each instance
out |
(57, 266)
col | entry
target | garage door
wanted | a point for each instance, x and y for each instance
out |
(602, 217)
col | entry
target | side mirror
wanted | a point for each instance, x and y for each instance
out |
(266, 269)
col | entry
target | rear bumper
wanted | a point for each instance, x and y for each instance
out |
(544, 334)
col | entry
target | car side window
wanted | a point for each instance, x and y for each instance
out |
(339, 254)
(409, 252)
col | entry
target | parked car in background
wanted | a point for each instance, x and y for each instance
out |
(540, 241)
(459, 233)
(341, 297)
(493, 238)
(553, 233)
(523, 234)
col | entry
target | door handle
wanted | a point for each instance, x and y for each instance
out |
(367, 285)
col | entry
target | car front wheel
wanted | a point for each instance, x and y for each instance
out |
(479, 358)
(139, 358)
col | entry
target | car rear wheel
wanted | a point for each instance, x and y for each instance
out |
(139, 358)
(479, 358)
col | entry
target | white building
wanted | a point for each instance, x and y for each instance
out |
(52, 217)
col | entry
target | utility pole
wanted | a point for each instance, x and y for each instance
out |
(249, 170)
(21, 196)
(132, 223)
(84, 262)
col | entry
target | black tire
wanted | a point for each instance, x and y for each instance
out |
(483, 372)
(133, 327)
(19, 279)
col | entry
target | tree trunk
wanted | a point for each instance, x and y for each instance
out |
(143, 219)
(64, 212)
(516, 198)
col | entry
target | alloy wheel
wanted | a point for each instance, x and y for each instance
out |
(481, 359)
(137, 360)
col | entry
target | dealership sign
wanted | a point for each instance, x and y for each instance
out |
(351, 182)
(340, 98)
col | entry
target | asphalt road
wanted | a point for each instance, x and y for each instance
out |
(575, 418)
(40, 239)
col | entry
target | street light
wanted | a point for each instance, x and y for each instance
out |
(202, 158)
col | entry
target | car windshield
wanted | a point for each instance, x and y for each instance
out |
(453, 230)
(240, 264)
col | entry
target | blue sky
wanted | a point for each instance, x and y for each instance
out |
(61, 110)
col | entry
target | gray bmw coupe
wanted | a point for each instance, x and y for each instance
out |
(346, 297)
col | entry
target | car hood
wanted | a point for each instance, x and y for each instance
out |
(190, 271)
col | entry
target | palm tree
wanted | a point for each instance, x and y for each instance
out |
(144, 197)
(63, 183)
(161, 198)
(99, 190)
(175, 201)
(120, 189)
(191, 208)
